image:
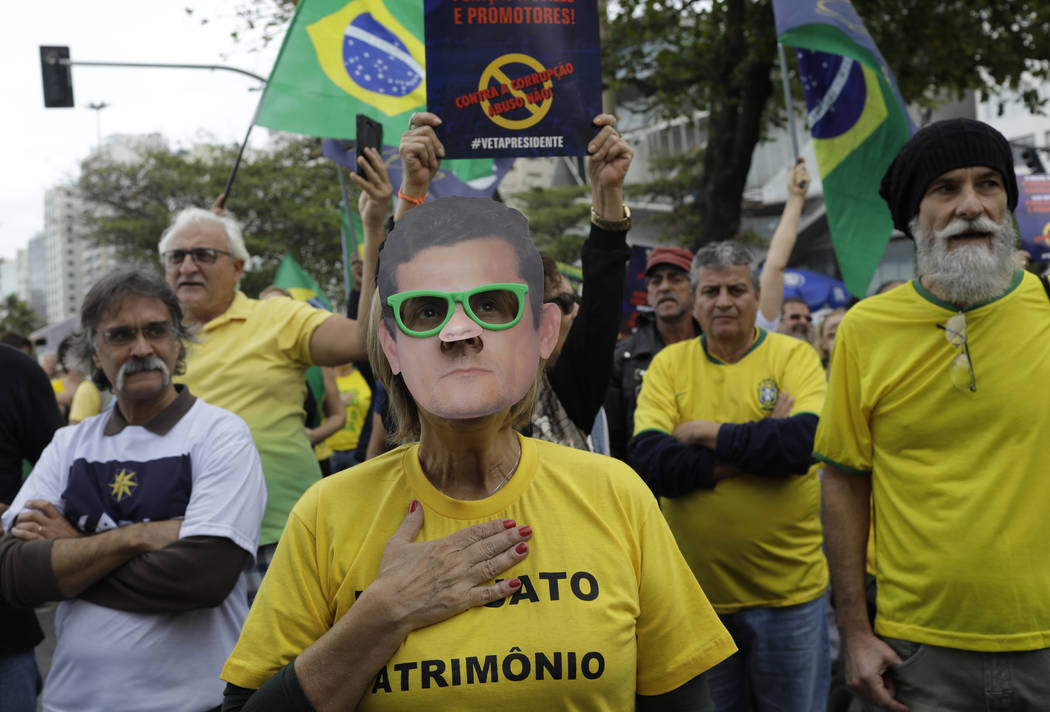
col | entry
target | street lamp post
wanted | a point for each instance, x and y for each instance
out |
(58, 90)
(97, 107)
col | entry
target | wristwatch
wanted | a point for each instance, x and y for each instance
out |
(623, 223)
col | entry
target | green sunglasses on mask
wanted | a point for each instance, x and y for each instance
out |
(424, 312)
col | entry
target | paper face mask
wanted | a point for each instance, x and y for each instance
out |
(480, 357)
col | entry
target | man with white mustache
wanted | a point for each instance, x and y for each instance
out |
(933, 421)
(140, 520)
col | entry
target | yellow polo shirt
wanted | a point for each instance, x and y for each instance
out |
(251, 360)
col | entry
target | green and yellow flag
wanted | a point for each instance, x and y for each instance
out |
(292, 277)
(858, 122)
(340, 59)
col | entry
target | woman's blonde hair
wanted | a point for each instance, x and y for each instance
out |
(403, 407)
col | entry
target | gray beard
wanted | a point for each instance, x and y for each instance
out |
(966, 274)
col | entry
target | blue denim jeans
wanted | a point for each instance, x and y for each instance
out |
(782, 662)
(19, 682)
(342, 459)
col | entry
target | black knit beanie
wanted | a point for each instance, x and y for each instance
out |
(936, 149)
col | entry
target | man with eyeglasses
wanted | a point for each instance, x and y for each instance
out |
(141, 520)
(935, 415)
(251, 355)
(670, 296)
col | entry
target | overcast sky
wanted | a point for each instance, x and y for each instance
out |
(42, 147)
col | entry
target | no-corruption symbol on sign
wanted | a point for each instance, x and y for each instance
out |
(513, 78)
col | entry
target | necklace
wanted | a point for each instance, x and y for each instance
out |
(506, 477)
(498, 487)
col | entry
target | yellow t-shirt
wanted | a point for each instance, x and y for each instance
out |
(607, 608)
(354, 389)
(959, 478)
(752, 541)
(251, 360)
(87, 401)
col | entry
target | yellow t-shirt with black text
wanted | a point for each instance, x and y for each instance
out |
(607, 608)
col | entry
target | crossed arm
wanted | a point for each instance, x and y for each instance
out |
(700, 453)
(142, 568)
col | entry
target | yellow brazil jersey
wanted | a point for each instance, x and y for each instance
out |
(355, 393)
(87, 401)
(607, 607)
(753, 540)
(251, 360)
(959, 478)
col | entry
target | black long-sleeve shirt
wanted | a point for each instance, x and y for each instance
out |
(580, 376)
(771, 447)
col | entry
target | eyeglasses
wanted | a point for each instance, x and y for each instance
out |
(566, 301)
(124, 335)
(961, 368)
(424, 312)
(199, 255)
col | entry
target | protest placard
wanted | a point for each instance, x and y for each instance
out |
(1033, 215)
(513, 77)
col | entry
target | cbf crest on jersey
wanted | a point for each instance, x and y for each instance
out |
(768, 392)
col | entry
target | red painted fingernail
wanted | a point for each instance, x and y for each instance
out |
(514, 583)
(412, 507)
(521, 548)
(525, 530)
(509, 523)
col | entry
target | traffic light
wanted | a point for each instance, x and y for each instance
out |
(58, 81)
(1030, 156)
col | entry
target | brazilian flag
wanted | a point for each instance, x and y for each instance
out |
(342, 58)
(294, 278)
(858, 122)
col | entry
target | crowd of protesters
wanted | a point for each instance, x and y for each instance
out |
(796, 501)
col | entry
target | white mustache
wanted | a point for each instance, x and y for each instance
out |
(959, 226)
(138, 365)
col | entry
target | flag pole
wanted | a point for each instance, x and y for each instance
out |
(347, 231)
(787, 101)
(221, 202)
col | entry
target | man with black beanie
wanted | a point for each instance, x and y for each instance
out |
(933, 421)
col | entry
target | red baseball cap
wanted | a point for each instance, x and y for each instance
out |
(674, 256)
